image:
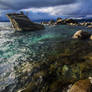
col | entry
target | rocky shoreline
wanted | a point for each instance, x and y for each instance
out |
(60, 71)
(68, 71)
(21, 22)
(72, 22)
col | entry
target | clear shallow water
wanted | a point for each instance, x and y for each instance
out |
(18, 47)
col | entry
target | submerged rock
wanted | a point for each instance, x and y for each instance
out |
(21, 22)
(81, 86)
(72, 64)
(82, 35)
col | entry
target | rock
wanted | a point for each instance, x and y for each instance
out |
(44, 23)
(21, 22)
(90, 26)
(51, 22)
(90, 37)
(81, 86)
(66, 21)
(82, 35)
(86, 24)
(60, 70)
(73, 24)
(60, 21)
(71, 21)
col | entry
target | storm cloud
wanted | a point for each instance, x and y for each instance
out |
(51, 8)
(22, 4)
(85, 8)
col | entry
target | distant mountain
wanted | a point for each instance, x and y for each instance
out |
(42, 20)
(79, 20)
(85, 20)
(4, 19)
(39, 17)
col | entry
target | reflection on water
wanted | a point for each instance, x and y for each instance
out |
(18, 47)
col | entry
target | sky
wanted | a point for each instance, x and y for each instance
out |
(47, 9)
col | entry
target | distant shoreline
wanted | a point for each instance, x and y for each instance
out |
(46, 20)
(4, 21)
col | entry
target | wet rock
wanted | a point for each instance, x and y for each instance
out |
(90, 26)
(21, 22)
(66, 21)
(73, 24)
(56, 77)
(44, 23)
(81, 86)
(87, 24)
(90, 37)
(59, 21)
(51, 22)
(82, 35)
(71, 21)
(73, 63)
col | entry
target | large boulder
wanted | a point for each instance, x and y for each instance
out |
(82, 35)
(59, 21)
(71, 21)
(21, 22)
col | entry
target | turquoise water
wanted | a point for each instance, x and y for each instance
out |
(18, 47)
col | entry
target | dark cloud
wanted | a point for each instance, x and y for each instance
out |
(84, 9)
(5, 5)
(21, 4)
(58, 7)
